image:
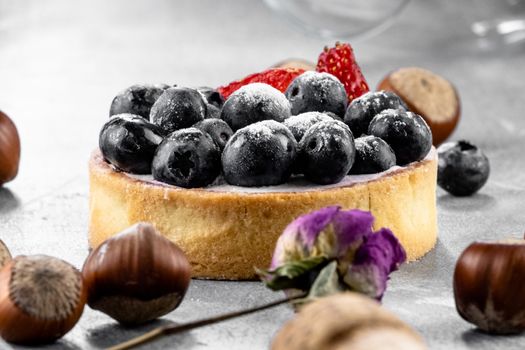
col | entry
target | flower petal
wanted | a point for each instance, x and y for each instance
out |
(300, 235)
(384, 248)
(376, 258)
(350, 227)
(367, 279)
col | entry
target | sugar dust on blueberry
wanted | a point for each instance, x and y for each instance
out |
(406, 132)
(187, 158)
(462, 168)
(299, 124)
(362, 109)
(129, 142)
(261, 154)
(178, 108)
(317, 92)
(373, 155)
(265, 135)
(326, 152)
(253, 103)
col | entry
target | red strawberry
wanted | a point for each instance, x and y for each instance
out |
(340, 61)
(279, 78)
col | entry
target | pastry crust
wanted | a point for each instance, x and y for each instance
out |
(226, 234)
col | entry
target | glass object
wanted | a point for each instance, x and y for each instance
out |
(339, 19)
(498, 23)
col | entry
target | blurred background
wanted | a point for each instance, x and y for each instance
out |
(62, 62)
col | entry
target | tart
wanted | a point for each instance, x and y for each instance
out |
(228, 230)
(221, 172)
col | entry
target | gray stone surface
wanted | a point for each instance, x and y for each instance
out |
(61, 62)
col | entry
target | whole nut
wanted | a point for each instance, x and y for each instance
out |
(489, 285)
(295, 63)
(41, 299)
(9, 149)
(136, 276)
(346, 321)
(5, 255)
(429, 95)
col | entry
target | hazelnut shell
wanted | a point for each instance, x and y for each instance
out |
(9, 149)
(5, 255)
(295, 63)
(489, 286)
(19, 326)
(137, 275)
(431, 96)
(345, 321)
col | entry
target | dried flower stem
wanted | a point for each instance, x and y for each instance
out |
(168, 330)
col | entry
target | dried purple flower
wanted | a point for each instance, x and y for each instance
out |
(310, 243)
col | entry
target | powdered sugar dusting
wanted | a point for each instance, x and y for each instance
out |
(327, 130)
(264, 129)
(368, 145)
(261, 93)
(385, 114)
(422, 124)
(322, 83)
(376, 97)
(322, 78)
(299, 124)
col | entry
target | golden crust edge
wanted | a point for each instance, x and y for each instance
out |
(216, 229)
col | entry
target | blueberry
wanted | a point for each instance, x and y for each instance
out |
(406, 132)
(333, 116)
(372, 155)
(214, 101)
(137, 99)
(362, 109)
(218, 129)
(261, 154)
(129, 141)
(253, 103)
(462, 168)
(212, 96)
(317, 92)
(187, 158)
(178, 108)
(212, 112)
(327, 152)
(298, 124)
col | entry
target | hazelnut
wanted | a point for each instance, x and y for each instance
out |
(489, 285)
(136, 276)
(9, 149)
(5, 255)
(41, 299)
(295, 63)
(346, 321)
(431, 96)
